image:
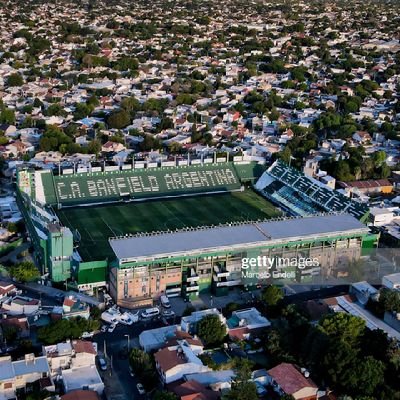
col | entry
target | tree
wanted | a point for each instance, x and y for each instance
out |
(15, 80)
(365, 376)
(390, 300)
(142, 365)
(130, 104)
(63, 329)
(24, 271)
(285, 154)
(94, 147)
(379, 158)
(140, 361)
(82, 110)
(272, 295)
(119, 119)
(7, 116)
(342, 326)
(242, 388)
(174, 147)
(164, 396)
(211, 330)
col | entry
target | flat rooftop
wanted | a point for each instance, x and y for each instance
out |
(77, 378)
(233, 236)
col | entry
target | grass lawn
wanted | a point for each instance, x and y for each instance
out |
(96, 224)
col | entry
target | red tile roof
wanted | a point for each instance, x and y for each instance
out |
(81, 395)
(290, 379)
(80, 346)
(68, 302)
(6, 287)
(168, 359)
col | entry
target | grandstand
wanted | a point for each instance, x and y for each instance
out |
(302, 195)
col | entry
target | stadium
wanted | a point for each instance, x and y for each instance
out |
(182, 228)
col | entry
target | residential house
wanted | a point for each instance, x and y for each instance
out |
(74, 307)
(83, 378)
(362, 137)
(112, 147)
(17, 147)
(75, 354)
(193, 390)
(246, 323)
(288, 379)
(189, 323)
(368, 186)
(19, 323)
(178, 358)
(17, 374)
(392, 281)
(20, 305)
(216, 380)
(6, 289)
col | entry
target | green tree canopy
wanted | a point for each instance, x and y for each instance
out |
(15, 80)
(119, 119)
(63, 329)
(242, 388)
(272, 295)
(211, 330)
(25, 271)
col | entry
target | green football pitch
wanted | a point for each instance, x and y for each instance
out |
(97, 223)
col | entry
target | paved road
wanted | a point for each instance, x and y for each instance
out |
(119, 384)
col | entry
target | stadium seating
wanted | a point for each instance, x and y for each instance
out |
(302, 194)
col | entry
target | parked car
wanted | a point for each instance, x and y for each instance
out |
(111, 328)
(150, 312)
(140, 388)
(134, 316)
(103, 364)
(165, 302)
(87, 335)
(104, 328)
(168, 313)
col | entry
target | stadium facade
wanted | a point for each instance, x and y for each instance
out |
(194, 260)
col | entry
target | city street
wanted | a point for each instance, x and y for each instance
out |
(119, 384)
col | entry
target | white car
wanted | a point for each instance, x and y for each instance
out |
(111, 328)
(87, 335)
(150, 312)
(140, 388)
(134, 316)
(168, 313)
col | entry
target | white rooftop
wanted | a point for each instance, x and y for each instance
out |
(393, 278)
(236, 236)
(77, 378)
(154, 337)
(252, 318)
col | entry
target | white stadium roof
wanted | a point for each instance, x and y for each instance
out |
(252, 234)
